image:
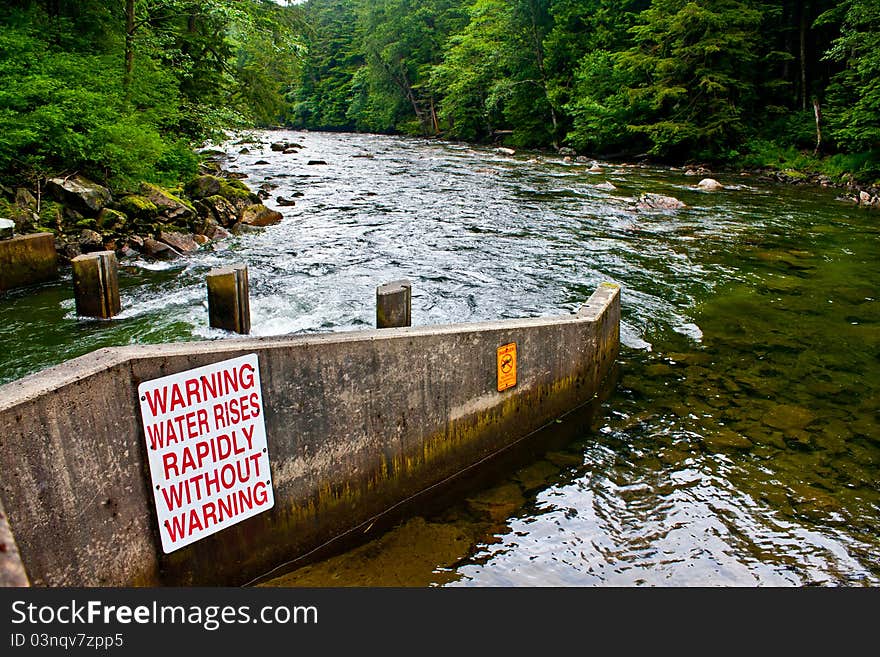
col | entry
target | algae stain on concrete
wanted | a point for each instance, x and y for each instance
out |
(412, 554)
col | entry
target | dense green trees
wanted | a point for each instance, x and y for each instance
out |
(700, 79)
(693, 66)
(120, 90)
(855, 91)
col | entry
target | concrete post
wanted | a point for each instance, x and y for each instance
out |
(394, 304)
(27, 260)
(229, 305)
(96, 284)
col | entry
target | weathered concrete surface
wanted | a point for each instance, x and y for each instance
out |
(96, 285)
(229, 306)
(12, 572)
(394, 304)
(356, 423)
(27, 260)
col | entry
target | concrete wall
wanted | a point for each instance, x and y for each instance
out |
(356, 423)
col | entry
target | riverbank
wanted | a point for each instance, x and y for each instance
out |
(156, 222)
(850, 173)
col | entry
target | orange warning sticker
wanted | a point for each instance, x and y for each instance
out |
(506, 366)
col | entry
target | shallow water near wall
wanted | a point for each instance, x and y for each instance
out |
(740, 446)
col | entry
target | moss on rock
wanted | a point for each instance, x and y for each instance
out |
(137, 206)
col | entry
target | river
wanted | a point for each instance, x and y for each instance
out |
(740, 446)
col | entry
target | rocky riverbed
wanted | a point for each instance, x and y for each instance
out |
(153, 221)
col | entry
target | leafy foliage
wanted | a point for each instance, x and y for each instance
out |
(121, 91)
(855, 91)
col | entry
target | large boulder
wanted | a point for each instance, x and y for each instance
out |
(710, 185)
(204, 186)
(138, 207)
(25, 200)
(112, 220)
(79, 193)
(169, 207)
(209, 228)
(178, 241)
(234, 191)
(160, 250)
(259, 215)
(90, 241)
(218, 209)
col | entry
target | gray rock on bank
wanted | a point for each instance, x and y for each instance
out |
(79, 193)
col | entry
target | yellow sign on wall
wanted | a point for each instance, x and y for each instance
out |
(506, 366)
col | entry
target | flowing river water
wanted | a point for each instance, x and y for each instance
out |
(740, 445)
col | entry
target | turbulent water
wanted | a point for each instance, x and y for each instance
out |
(740, 446)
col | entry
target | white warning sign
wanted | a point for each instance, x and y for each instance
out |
(206, 441)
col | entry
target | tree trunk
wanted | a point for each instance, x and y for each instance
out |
(434, 118)
(129, 46)
(804, 27)
(818, 115)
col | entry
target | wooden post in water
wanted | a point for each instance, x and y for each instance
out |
(229, 305)
(96, 284)
(394, 304)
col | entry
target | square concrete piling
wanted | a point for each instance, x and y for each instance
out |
(229, 299)
(394, 304)
(96, 285)
(27, 260)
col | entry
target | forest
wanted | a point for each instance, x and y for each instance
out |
(122, 91)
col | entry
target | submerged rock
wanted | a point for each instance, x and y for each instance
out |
(497, 504)
(651, 201)
(710, 185)
(787, 417)
(724, 439)
(536, 475)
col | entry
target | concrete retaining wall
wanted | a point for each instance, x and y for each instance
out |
(356, 423)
